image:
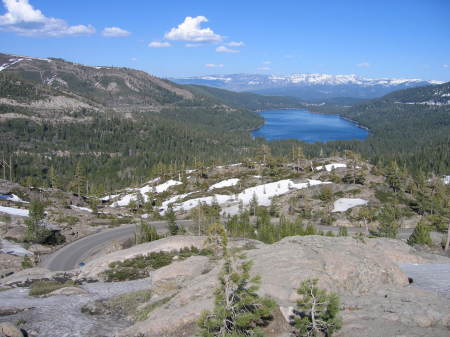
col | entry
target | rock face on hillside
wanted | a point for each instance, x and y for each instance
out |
(365, 274)
(94, 268)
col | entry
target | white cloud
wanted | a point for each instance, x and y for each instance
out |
(445, 65)
(23, 19)
(134, 59)
(267, 62)
(157, 44)
(193, 45)
(265, 68)
(189, 30)
(115, 32)
(363, 64)
(223, 49)
(212, 65)
(235, 44)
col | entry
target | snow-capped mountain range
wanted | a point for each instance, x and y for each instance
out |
(308, 86)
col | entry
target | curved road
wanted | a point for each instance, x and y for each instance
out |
(70, 256)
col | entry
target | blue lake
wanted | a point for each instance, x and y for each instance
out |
(308, 127)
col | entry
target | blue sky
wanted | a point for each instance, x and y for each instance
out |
(175, 38)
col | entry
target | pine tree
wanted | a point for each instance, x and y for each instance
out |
(79, 180)
(171, 221)
(253, 204)
(36, 232)
(52, 177)
(316, 312)
(343, 231)
(238, 310)
(420, 235)
(145, 233)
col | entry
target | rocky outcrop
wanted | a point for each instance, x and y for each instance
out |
(373, 289)
(10, 330)
(93, 269)
(25, 277)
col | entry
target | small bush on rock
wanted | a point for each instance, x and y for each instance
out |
(238, 311)
(316, 312)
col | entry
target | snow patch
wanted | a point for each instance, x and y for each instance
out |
(264, 193)
(331, 167)
(224, 183)
(14, 211)
(84, 209)
(343, 204)
(125, 200)
(11, 248)
(12, 197)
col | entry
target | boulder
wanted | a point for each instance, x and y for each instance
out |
(9, 330)
(68, 291)
(341, 264)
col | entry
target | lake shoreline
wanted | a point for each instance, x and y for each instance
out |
(311, 138)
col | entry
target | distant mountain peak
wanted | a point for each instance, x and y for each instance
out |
(308, 85)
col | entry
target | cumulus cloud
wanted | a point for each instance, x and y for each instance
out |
(190, 31)
(223, 49)
(23, 19)
(158, 44)
(212, 65)
(115, 32)
(363, 64)
(235, 44)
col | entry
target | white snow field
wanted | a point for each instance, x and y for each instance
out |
(125, 200)
(11, 248)
(224, 183)
(264, 193)
(14, 211)
(330, 167)
(343, 204)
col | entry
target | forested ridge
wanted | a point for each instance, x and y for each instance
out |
(411, 127)
(120, 126)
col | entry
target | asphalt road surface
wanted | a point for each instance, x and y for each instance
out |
(70, 256)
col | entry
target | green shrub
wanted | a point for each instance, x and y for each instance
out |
(26, 263)
(39, 288)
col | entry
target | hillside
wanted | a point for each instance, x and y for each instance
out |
(55, 114)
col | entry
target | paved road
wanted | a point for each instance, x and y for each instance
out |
(70, 256)
(434, 277)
